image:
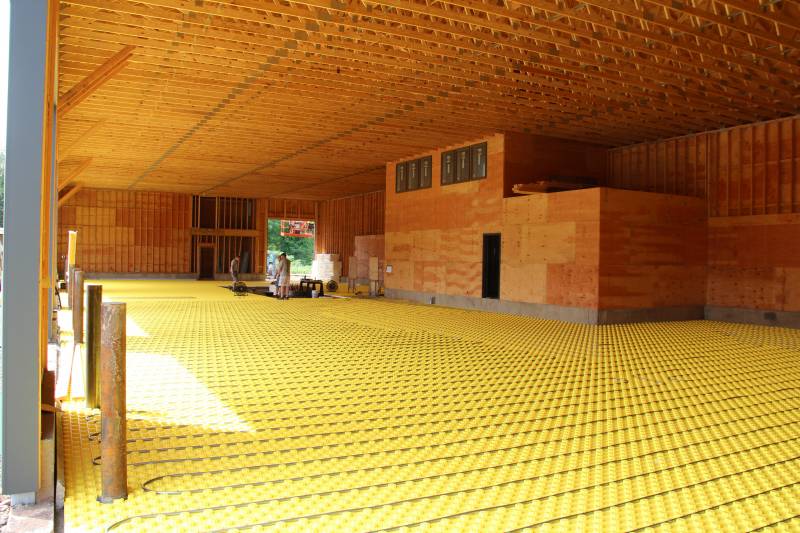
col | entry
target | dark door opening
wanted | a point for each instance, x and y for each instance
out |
(491, 265)
(206, 260)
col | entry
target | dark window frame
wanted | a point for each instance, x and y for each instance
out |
(448, 178)
(472, 151)
(413, 170)
(407, 165)
(401, 182)
(452, 180)
(422, 178)
(463, 174)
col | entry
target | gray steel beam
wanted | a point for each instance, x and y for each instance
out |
(23, 247)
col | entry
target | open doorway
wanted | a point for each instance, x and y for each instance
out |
(296, 239)
(491, 265)
(205, 267)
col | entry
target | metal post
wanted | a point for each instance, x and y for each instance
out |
(113, 447)
(77, 307)
(27, 202)
(93, 345)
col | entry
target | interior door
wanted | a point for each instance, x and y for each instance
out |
(491, 265)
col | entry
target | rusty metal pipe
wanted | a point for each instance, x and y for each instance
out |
(113, 427)
(95, 301)
(77, 307)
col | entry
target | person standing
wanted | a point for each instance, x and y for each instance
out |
(284, 276)
(235, 269)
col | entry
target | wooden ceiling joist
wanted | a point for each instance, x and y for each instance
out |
(309, 97)
(66, 194)
(74, 173)
(81, 91)
(67, 150)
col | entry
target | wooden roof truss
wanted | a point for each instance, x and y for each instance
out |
(309, 98)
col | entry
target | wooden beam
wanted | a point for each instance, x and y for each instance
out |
(75, 173)
(95, 80)
(226, 232)
(66, 195)
(554, 185)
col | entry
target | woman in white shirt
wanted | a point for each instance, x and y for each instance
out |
(284, 276)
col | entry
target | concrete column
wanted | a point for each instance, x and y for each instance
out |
(28, 169)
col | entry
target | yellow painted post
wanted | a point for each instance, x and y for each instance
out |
(72, 245)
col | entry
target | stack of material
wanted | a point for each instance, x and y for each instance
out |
(352, 267)
(376, 269)
(326, 267)
(366, 247)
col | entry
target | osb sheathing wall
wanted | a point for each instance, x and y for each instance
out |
(128, 232)
(340, 221)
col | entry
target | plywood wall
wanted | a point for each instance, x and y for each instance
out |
(747, 170)
(653, 250)
(754, 262)
(340, 221)
(367, 246)
(605, 249)
(550, 248)
(434, 235)
(128, 232)
(593, 249)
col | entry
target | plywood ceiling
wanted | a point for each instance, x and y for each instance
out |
(310, 98)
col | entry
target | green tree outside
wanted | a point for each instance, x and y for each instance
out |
(299, 250)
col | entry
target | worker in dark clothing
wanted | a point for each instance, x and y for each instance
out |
(235, 269)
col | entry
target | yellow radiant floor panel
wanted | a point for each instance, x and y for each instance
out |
(248, 413)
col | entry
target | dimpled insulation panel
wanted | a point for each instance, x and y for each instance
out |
(248, 413)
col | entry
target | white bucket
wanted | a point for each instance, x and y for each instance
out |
(315, 294)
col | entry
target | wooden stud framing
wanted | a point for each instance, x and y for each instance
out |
(748, 170)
